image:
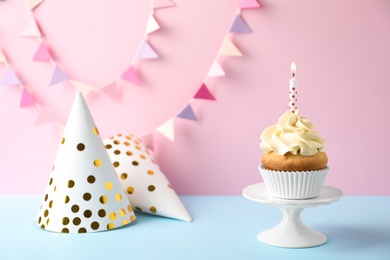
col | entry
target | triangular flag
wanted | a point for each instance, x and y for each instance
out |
(216, 70)
(239, 26)
(83, 193)
(131, 76)
(148, 140)
(27, 99)
(187, 113)
(43, 118)
(31, 30)
(83, 88)
(145, 52)
(58, 76)
(145, 185)
(111, 90)
(152, 25)
(2, 57)
(229, 49)
(204, 93)
(163, 3)
(31, 4)
(167, 129)
(9, 79)
(245, 4)
(42, 54)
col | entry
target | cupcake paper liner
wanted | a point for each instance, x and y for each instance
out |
(293, 185)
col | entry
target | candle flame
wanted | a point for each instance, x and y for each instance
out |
(293, 68)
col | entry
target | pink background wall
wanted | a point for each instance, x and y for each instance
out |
(342, 53)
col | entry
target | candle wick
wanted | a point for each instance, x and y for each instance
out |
(293, 75)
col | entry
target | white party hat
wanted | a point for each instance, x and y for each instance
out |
(145, 185)
(83, 194)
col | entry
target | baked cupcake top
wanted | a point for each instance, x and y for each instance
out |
(294, 134)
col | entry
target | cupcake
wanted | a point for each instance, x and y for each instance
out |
(294, 164)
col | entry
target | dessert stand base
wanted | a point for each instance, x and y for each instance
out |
(291, 232)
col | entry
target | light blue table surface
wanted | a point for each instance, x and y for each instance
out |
(224, 227)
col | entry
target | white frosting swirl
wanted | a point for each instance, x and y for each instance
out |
(293, 134)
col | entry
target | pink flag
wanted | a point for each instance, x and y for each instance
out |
(163, 4)
(145, 52)
(10, 79)
(187, 113)
(131, 76)
(111, 90)
(27, 99)
(152, 25)
(42, 53)
(42, 118)
(204, 93)
(228, 49)
(168, 129)
(31, 29)
(58, 76)
(245, 4)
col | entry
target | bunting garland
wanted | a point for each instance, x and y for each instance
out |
(238, 26)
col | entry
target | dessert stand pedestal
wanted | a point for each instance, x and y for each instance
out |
(291, 232)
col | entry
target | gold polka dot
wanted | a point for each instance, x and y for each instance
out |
(110, 226)
(91, 179)
(76, 221)
(63, 140)
(142, 156)
(65, 221)
(124, 176)
(95, 130)
(65, 230)
(70, 184)
(75, 208)
(108, 146)
(95, 225)
(87, 196)
(130, 190)
(125, 222)
(128, 137)
(43, 226)
(52, 169)
(47, 221)
(82, 230)
(137, 147)
(102, 213)
(108, 185)
(129, 153)
(46, 213)
(118, 197)
(137, 141)
(129, 208)
(51, 181)
(138, 208)
(169, 186)
(46, 197)
(51, 204)
(126, 143)
(153, 209)
(116, 142)
(87, 213)
(111, 137)
(135, 163)
(66, 199)
(116, 164)
(97, 163)
(119, 135)
(122, 212)
(132, 218)
(80, 147)
(103, 199)
(153, 161)
(55, 188)
(151, 188)
(112, 216)
(39, 220)
(150, 172)
(117, 152)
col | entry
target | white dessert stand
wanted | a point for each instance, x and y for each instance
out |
(291, 232)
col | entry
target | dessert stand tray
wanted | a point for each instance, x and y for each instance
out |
(291, 232)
